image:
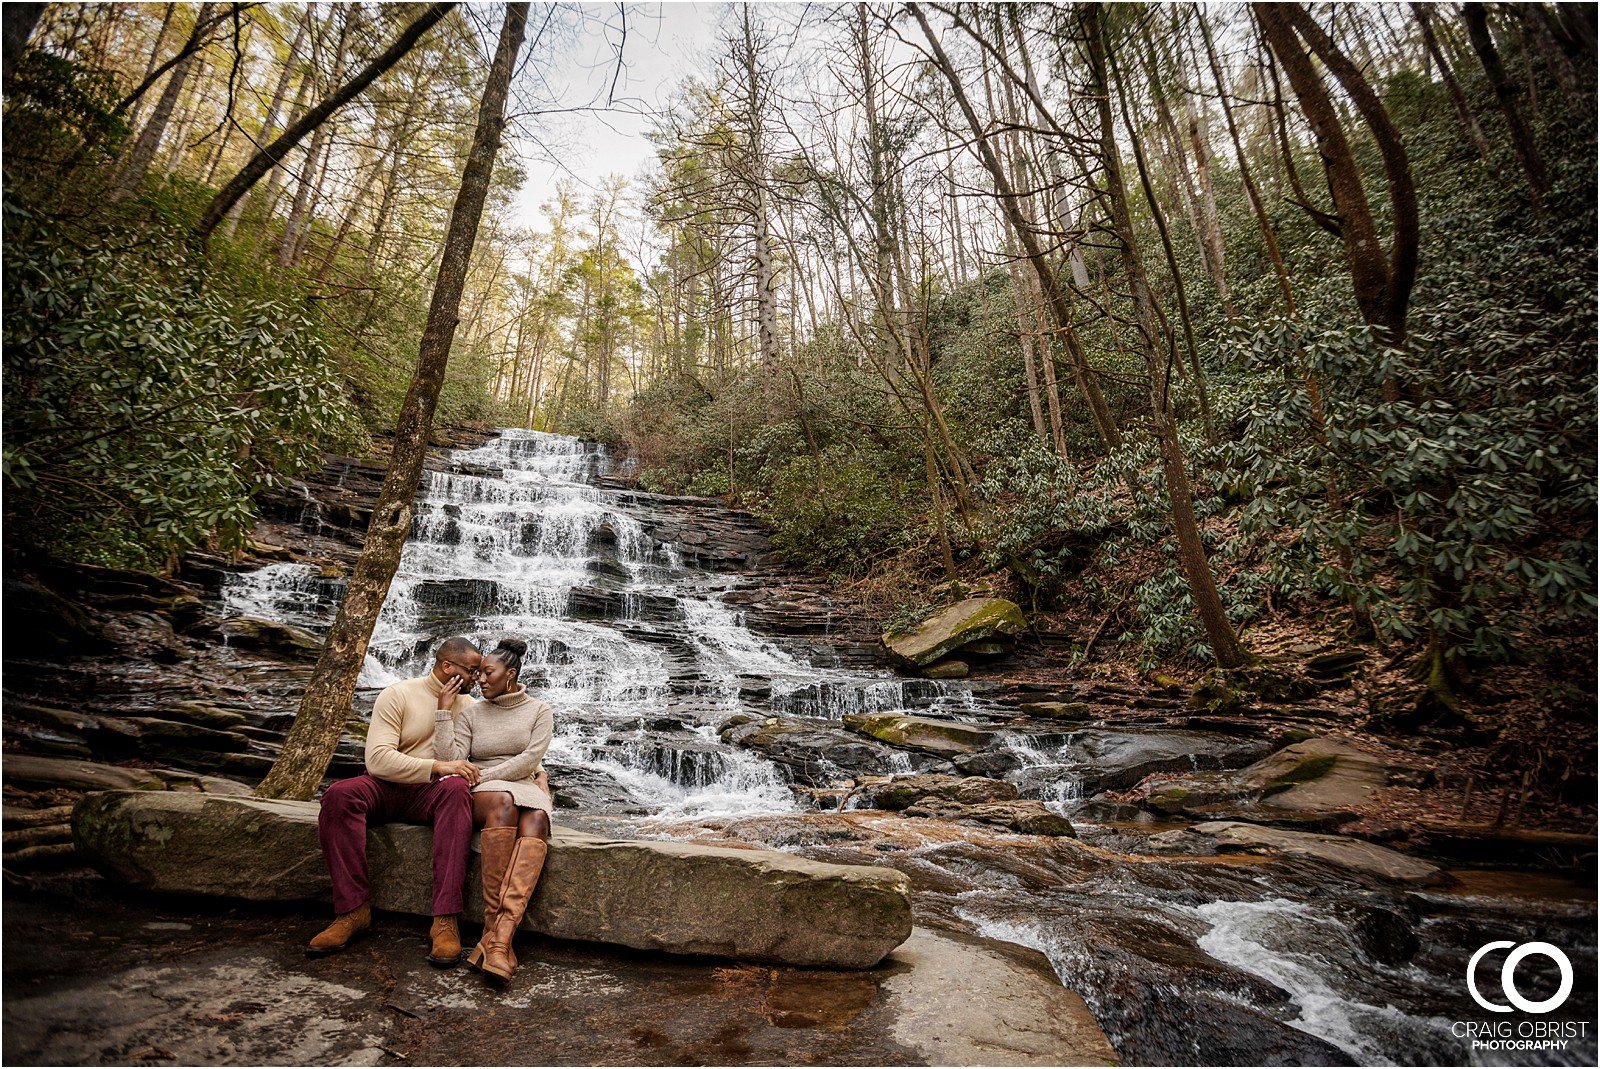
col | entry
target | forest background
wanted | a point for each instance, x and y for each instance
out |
(1201, 332)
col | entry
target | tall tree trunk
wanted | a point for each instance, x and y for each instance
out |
(1181, 293)
(1382, 284)
(1458, 98)
(16, 26)
(265, 158)
(131, 175)
(1251, 190)
(155, 59)
(1099, 411)
(1505, 94)
(327, 701)
(280, 96)
(1191, 551)
(302, 211)
(761, 244)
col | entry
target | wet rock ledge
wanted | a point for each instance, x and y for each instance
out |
(683, 898)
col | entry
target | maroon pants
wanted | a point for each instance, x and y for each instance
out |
(350, 805)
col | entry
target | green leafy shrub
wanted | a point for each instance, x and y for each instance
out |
(146, 402)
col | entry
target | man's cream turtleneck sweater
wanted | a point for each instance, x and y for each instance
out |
(400, 738)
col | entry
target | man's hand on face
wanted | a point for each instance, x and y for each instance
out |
(450, 691)
(465, 769)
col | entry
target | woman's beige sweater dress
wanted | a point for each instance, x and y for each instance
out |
(506, 737)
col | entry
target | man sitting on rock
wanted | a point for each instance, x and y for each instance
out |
(404, 783)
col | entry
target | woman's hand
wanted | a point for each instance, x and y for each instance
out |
(465, 769)
(447, 696)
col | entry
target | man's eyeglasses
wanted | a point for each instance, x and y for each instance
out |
(473, 672)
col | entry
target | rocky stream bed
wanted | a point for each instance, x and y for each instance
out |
(1192, 874)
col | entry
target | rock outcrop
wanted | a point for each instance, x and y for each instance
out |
(816, 752)
(903, 792)
(976, 620)
(683, 898)
(1318, 782)
(969, 798)
(1363, 857)
(942, 737)
(1319, 774)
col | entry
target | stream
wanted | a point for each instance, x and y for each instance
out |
(638, 637)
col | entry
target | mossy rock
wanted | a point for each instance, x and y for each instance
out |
(205, 715)
(1025, 816)
(942, 737)
(1272, 682)
(1311, 768)
(1216, 694)
(1057, 710)
(902, 792)
(973, 620)
(947, 670)
(1168, 799)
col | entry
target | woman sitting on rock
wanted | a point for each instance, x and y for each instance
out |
(506, 736)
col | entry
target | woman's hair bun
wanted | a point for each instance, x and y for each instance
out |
(514, 646)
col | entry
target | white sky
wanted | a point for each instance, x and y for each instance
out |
(664, 43)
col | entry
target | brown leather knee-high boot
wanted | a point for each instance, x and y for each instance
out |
(522, 876)
(496, 845)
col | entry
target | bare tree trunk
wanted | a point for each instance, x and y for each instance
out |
(1382, 285)
(761, 244)
(192, 107)
(264, 159)
(131, 175)
(1160, 218)
(326, 704)
(155, 58)
(1191, 551)
(1252, 192)
(280, 95)
(1458, 98)
(1100, 412)
(1477, 20)
(301, 212)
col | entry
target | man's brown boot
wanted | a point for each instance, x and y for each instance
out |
(495, 844)
(522, 876)
(345, 927)
(446, 937)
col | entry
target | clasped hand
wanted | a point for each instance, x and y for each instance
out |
(465, 769)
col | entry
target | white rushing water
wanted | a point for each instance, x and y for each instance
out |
(516, 539)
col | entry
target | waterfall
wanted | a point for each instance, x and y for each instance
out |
(515, 537)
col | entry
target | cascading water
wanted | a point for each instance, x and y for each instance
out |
(631, 644)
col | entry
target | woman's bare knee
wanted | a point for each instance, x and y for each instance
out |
(495, 809)
(535, 823)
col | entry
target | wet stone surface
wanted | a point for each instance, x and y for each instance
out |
(148, 981)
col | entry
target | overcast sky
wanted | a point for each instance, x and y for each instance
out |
(663, 43)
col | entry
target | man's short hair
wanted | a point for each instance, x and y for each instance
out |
(451, 648)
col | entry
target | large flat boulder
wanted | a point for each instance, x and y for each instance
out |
(683, 898)
(973, 620)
